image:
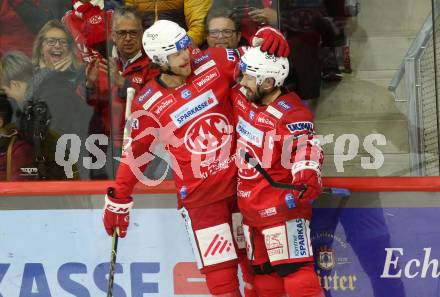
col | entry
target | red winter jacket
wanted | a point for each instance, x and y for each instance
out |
(137, 73)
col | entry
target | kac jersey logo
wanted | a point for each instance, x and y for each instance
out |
(208, 134)
(245, 170)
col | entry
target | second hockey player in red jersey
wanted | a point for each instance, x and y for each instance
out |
(188, 110)
(276, 130)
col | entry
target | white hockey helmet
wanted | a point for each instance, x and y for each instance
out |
(262, 65)
(164, 38)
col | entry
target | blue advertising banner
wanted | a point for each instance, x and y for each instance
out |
(378, 252)
(362, 252)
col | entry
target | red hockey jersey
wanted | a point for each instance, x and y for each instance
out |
(277, 136)
(195, 124)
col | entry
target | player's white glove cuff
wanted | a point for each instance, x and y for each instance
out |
(118, 208)
(302, 165)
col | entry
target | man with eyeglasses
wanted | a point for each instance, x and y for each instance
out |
(222, 30)
(130, 68)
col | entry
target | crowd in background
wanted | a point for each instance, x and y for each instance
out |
(66, 65)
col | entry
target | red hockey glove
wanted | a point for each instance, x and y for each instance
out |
(116, 213)
(307, 173)
(272, 41)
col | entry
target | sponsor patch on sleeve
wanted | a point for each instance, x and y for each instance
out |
(137, 80)
(230, 54)
(301, 127)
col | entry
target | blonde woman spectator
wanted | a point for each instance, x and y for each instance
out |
(54, 48)
(57, 76)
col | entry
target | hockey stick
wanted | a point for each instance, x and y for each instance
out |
(126, 143)
(254, 163)
(130, 96)
(111, 273)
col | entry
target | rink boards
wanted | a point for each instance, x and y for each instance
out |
(370, 244)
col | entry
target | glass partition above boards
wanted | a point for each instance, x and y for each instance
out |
(69, 72)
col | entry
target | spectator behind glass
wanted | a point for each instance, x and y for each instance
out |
(189, 14)
(250, 14)
(222, 30)
(130, 68)
(25, 89)
(54, 48)
(16, 74)
(20, 20)
(57, 76)
(15, 153)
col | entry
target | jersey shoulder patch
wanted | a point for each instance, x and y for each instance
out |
(203, 61)
(274, 112)
(149, 94)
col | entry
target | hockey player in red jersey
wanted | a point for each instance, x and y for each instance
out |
(276, 129)
(187, 109)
